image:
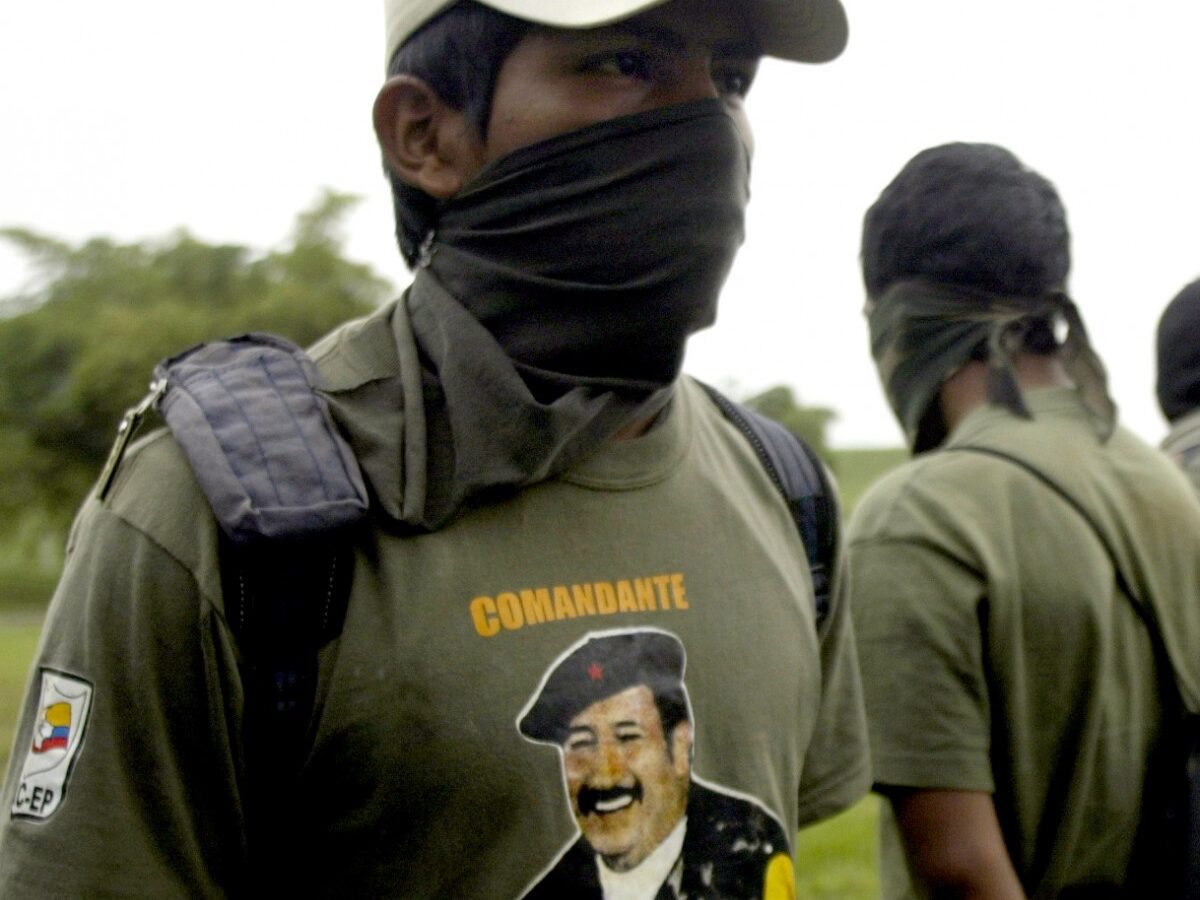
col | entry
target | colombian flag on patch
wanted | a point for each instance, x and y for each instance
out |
(54, 731)
(58, 729)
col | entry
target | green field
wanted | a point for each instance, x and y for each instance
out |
(17, 642)
(837, 858)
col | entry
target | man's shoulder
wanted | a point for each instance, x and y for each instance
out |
(957, 483)
(737, 821)
(1130, 473)
(357, 352)
(1170, 461)
(912, 490)
(156, 493)
(155, 461)
(753, 448)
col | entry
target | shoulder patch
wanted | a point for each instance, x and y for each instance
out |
(58, 726)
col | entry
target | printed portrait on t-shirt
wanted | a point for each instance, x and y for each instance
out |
(616, 707)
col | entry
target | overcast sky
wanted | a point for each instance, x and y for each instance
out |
(131, 118)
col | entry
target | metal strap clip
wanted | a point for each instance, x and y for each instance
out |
(125, 432)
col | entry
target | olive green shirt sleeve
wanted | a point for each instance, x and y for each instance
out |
(150, 805)
(917, 612)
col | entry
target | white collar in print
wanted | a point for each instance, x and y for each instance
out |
(58, 726)
(643, 881)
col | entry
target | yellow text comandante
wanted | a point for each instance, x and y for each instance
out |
(513, 610)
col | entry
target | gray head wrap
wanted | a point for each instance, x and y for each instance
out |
(923, 332)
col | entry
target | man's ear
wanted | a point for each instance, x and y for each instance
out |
(426, 142)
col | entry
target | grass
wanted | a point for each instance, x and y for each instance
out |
(836, 858)
(24, 594)
(23, 599)
(18, 640)
(857, 470)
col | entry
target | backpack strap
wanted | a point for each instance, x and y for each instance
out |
(288, 495)
(287, 492)
(1143, 609)
(261, 443)
(799, 476)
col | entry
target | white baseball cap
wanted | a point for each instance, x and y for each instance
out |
(804, 30)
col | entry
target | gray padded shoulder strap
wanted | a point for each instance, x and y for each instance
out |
(260, 440)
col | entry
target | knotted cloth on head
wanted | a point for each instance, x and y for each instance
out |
(923, 332)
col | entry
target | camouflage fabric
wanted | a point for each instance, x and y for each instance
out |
(923, 332)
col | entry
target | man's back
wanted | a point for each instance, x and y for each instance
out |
(995, 638)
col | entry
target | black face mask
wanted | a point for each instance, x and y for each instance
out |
(592, 256)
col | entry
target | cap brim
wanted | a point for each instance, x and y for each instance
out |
(812, 31)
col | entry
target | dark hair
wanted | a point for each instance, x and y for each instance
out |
(673, 709)
(1178, 339)
(969, 214)
(458, 54)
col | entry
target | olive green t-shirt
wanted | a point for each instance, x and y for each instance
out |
(419, 782)
(998, 654)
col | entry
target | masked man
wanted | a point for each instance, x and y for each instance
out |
(570, 181)
(1016, 697)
